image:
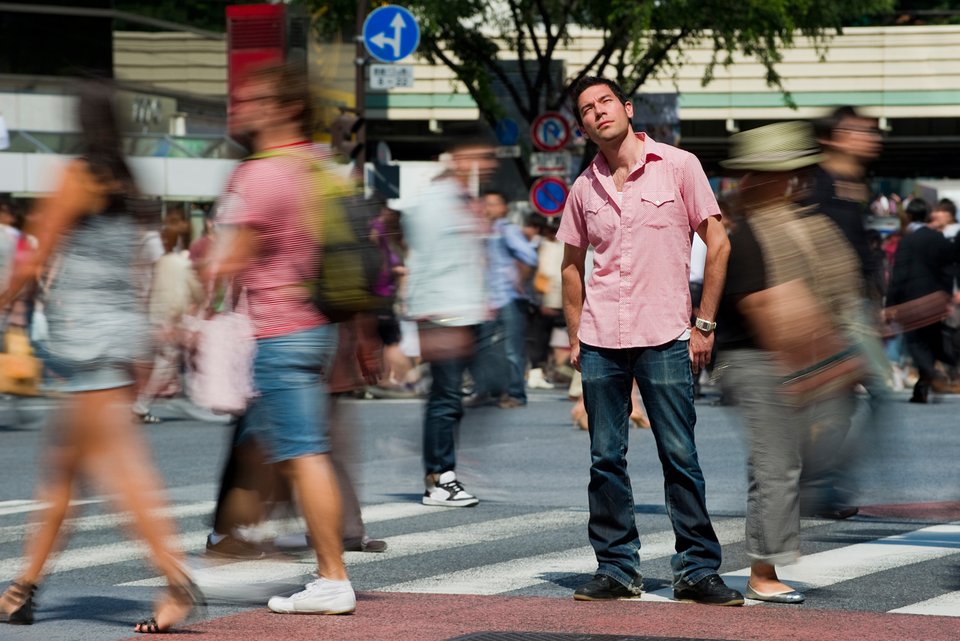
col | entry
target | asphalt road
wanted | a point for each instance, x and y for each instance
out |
(527, 538)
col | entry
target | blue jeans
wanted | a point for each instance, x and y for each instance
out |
(289, 417)
(513, 315)
(666, 385)
(442, 416)
(500, 362)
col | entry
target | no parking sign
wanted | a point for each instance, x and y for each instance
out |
(548, 195)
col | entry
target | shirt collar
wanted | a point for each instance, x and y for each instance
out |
(651, 150)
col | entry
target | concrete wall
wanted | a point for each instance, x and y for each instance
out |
(168, 178)
(172, 60)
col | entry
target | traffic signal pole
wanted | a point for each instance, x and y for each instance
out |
(360, 94)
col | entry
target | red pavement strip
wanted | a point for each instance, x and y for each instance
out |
(433, 617)
(942, 511)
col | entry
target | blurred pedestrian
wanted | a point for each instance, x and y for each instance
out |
(776, 256)
(510, 258)
(943, 218)
(98, 334)
(637, 204)
(835, 189)
(267, 212)
(446, 295)
(175, 292)
(923, 276)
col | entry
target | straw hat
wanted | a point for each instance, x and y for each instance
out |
(782, 146)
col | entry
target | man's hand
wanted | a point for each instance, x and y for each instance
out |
(701, 346)
(575, 356)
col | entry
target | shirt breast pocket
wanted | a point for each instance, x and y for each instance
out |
(601, 219)
(660, 209)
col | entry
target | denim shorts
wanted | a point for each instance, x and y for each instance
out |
(288, 418)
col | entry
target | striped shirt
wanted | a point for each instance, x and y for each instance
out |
(271, 196)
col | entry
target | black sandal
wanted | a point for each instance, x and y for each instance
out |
(184, 594)
(20, 596)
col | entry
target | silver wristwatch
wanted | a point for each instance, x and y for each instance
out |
(705, 326)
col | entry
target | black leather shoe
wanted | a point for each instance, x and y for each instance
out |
(838, 513)
(710, 590)
(603, 588)
(364, 544)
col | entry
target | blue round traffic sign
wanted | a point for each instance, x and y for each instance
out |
(548, 195)
(507, 131)
(391, 33)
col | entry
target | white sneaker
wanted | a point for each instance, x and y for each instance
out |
(446, 491)
(322, 596)
(535, 380)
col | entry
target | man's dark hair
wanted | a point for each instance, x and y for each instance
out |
(824, 128)
(289, 80)
(592, 81)
(918, 210)
(947, 205)
(495, 192)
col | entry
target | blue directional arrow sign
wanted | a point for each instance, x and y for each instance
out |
(391, 33)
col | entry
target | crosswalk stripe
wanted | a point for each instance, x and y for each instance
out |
(525, 572)
(858, 560)
(862, 559)
(99, 555)
(846, 563)
(945, 605)
(421, 542)
(93, 556)
(105, 521)
(20, 506)
(378, 512)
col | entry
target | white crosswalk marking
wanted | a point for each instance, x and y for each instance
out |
(106, 521)
(945, 605)
(521, 573)
(862, 559)
(400, 546)
(252, 580)
(20, 506)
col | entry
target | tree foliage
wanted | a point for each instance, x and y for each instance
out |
(641, 39)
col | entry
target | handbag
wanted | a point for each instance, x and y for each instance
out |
(440, 342)
(221, 376)
(20, 371)
(916, 313)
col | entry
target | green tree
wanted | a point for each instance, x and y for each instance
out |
(641, 39)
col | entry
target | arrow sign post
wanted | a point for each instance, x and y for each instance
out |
(391, 33)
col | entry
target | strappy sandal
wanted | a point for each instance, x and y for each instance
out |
(186, 594)
(147, 418)
(19, 596)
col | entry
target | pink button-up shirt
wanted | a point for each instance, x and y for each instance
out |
(638, 294)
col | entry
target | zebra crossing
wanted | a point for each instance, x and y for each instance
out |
(509, 550)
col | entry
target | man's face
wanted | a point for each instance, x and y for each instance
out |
(857, 137)
(604, 117)
(255, 107)
(467, 160)
(494, 206)
(939, 219)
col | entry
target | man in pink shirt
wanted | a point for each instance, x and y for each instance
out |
(638, 205)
